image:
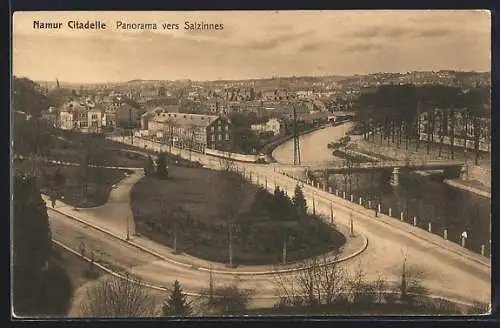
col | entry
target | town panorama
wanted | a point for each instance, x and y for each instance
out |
(340, 166)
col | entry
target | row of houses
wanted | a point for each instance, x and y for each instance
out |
(88, 116)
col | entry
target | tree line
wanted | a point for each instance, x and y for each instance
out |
(397, 112)
(321, 285)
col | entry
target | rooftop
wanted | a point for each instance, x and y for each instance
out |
(184, 119)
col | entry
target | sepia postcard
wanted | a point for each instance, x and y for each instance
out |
(184, 164)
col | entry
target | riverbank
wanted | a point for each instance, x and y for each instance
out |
(479, 176)
(270, 147)
(469, 185)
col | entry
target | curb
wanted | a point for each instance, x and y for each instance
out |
(192, 266)
(473, 190)
(355, 208)
(164, 289)
(52, 161)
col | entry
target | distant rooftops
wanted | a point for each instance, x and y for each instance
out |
(181, 118)
(159, 101)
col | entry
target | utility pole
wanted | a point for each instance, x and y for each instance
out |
(128, 230)
(211, 285)
(351, 224)
(230, 245)
(130, 126)
(191, 144)
(314, 204)
(296, 137)
(175, 237)
(284, 249)
(403, 279)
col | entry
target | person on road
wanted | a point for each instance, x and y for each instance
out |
(53, 199)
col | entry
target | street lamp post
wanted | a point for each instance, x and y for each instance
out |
(351, 224)
(284, 249)
(128, 230)
(130, 126)
(230, 245)
(314, 204)
(175, 237)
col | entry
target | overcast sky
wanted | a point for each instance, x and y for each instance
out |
(251, 45)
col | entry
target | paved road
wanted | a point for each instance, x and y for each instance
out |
(445, 268)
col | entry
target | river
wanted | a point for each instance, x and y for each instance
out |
(425, 197)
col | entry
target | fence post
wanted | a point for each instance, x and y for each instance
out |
(330, 189)
(390, 211)
(445, 234)
(402, 216)
(430, 226)
(369, 204)
(379, 207)
(482, 250)
(415, 221)
(360, 201)
(352, 198)
(343, 194)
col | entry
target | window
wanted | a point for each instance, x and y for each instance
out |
(212, 128)
(227, 136)
(94, 124)
(94, 116)
(220, 128)
(219, 137)
(213, 137)
(227, 127)
(84, 124)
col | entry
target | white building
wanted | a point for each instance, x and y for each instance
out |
(65, 120)
(81, 117)
(272, 125)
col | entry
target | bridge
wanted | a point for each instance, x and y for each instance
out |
(452, 169)
(407, 165)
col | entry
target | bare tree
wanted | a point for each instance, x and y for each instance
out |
(318, 281)
(379, 289)
(229, 300)
(360, 290)
(116, 297)
(479, 308)
(226, 164)
(410, 286)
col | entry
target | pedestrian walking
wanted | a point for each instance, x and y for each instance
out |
(53, 200)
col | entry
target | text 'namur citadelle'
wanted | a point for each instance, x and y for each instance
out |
(121, 25)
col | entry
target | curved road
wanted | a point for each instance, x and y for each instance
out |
(457, 271)
(445, 268)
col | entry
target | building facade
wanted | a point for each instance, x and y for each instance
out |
(273, 125)
(190, 130)
(457, 127)
(83, 117)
